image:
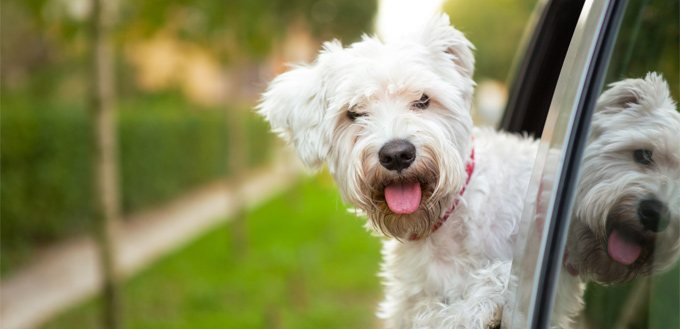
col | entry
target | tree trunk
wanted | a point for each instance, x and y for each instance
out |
(237, 165)
(106, 207)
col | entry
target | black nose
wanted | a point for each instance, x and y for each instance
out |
(397, 155)
(654, 215)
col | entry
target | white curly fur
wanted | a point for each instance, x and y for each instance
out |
(456, 276)
(633, 114)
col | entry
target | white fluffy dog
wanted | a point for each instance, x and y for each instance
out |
(392, 121)
(626, 220)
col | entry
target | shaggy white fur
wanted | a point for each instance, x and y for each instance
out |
(392, 121)
(626, 218)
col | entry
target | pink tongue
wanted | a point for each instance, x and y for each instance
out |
(621, 249)
(404, 197)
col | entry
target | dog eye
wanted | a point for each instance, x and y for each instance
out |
(643, 157)
(422, 103)
(352, 115)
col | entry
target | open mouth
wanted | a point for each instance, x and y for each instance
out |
(402, 196)
(626, 246)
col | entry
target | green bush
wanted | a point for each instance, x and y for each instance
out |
(495, 28)
(45, 175)
(164, 147)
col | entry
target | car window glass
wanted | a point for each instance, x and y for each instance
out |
(620, 265)
(522, 286)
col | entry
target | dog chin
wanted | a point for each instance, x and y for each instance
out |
(403, 206)
(621, 254)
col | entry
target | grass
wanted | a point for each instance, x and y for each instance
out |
(299, 261)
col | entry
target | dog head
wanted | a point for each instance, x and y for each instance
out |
(391, 120)
(626, 220)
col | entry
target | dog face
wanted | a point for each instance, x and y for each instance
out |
(391, 120)
(627, 207)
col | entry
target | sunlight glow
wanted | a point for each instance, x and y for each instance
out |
(395, 17)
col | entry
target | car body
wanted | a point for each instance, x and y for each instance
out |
(573, 51)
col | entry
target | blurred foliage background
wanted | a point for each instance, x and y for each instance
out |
(645, 43)
(180, 67)
(496, 28)
(187, 72)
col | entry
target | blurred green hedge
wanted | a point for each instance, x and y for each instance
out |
(165, 148)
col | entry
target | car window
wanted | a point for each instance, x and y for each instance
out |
(604, 213)
(621, 251)
(529, 253)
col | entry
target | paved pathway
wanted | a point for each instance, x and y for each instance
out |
(68, 272)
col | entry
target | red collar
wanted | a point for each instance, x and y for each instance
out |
(570, 268)
(468, 169)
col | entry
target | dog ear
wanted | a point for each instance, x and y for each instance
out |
(295, 105)
(441, 37)
(648, 93)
